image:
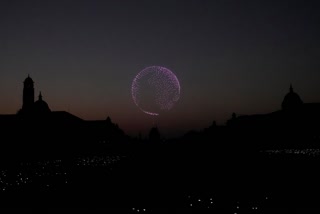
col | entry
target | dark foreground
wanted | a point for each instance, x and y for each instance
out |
(162, 178)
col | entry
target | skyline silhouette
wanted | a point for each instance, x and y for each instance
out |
(234, 85)
(294, 114)
(67, 159)
(41, 108)
(230, 56)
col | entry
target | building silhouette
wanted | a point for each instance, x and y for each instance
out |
(296, 124)
(29, 106)
(291, 101)
(28, 94)
(37, 131)
(154, 135)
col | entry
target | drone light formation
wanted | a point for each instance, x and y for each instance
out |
(155, 89)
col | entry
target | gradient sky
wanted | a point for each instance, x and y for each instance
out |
(229, 55)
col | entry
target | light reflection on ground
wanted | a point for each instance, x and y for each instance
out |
(48, 173)
(58, 174)
(305, 152)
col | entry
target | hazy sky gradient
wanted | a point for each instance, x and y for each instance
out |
(229, 55)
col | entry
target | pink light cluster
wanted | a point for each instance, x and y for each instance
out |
(160, 84)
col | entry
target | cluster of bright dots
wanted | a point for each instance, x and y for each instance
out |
(155, 89)
(306, 152)
(98, 161)
(202, 202)
(139, 210)
(208, 203)
(27, 173)
(40, 173)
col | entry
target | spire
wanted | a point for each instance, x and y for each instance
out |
(40, 96)
(291, 88)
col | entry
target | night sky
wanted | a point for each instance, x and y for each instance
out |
(229, 56)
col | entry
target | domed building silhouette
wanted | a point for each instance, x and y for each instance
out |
(295, 124)
(38, 132)
(40, 106)
(29, 107)
(291, 101)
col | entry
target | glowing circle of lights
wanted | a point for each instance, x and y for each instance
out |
(155, 89)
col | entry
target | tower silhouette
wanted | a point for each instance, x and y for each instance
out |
(28, 94)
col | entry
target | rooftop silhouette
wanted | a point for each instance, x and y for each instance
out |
(39, 132)
(46, 147)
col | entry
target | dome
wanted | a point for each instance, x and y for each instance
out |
(291, 101)
(40, 106)
(28, 80)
